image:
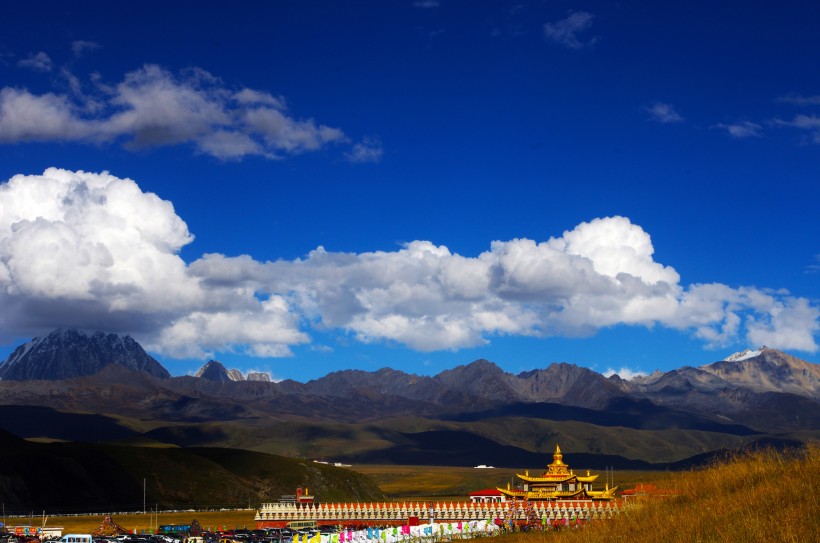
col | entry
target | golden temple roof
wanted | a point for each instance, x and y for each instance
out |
(558, 473)
(548, 478)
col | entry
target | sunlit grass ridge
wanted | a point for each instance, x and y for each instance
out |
(764, 495)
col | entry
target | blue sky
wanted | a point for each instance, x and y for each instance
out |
(303, 187)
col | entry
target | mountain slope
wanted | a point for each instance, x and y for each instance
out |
(65, 354)
(78, 476)
(214, 371)
(768, 370)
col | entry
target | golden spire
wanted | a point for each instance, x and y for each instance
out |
(557, 466)
(557, 456)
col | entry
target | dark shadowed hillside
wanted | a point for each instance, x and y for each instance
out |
(80, 476)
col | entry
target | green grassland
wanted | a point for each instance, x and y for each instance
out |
(395, 440)
(332, 441)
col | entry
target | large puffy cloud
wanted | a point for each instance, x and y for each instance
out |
(597, 275)
(93, 250)
(152, 107)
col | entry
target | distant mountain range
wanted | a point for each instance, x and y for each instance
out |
(472, 414)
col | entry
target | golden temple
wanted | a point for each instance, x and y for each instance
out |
(557, 483)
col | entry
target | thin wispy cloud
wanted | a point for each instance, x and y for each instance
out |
(39, 62)
(815, 266)
(80, 47)
(743, 129)
(799, 100)
(151, 107)
(809, 124)
(94, 251)
(567, 31)
(664, 113)
(368, 150)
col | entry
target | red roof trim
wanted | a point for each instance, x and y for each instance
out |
(486, 492)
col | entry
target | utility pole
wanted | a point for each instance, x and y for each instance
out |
(143, 495)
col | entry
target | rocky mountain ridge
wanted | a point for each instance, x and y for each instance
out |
(213, 370)
(769, 393)
(470, 414)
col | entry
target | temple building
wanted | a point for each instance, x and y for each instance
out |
(557, 483)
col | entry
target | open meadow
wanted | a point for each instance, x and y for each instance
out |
(449, 483)
(762, 496)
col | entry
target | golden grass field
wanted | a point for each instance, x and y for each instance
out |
(763, 496)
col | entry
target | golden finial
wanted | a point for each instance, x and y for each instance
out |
(557, 449)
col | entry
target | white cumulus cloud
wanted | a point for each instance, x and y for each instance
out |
(92, 250)
(624, 373)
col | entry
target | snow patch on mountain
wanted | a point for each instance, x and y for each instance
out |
(743, 355)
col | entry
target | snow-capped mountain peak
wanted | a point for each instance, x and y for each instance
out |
(743, 355)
